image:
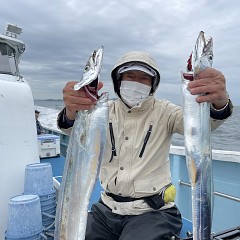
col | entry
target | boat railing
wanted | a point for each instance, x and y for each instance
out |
(225, 167)
(215, 193)
(217, 155)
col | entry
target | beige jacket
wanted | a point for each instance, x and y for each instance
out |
(128, 174)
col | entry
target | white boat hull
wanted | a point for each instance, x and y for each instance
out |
(18, 140)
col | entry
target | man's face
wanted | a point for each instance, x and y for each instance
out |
(137, 76)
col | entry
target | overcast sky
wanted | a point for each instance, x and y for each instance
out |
(60, 35)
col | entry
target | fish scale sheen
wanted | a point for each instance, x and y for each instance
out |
(197, 133)
(84, 155)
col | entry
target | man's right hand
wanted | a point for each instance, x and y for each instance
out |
(76, 100)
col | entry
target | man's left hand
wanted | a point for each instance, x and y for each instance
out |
(210, 85)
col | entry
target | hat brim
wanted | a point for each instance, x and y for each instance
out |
(136, 67)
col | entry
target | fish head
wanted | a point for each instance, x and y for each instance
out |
(200, 58)
(90, 78)
(202, 55)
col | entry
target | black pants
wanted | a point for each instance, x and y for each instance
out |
(156, 225)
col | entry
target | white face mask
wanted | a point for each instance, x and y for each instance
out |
(133, 92)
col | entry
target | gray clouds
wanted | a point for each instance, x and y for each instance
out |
(60, 35)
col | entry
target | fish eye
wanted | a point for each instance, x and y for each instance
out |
(86, 67)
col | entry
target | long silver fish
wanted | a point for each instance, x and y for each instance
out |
(197, 133)
(84, 156)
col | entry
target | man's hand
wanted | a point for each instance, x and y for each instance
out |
(76, 100)
(210, 84)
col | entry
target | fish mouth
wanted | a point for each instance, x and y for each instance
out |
(188, 76)
(90, 78)
(91, 90)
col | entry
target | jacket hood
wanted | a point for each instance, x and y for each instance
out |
(141, 58)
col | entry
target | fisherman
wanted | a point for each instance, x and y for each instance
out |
(138, 197)
(38, 124)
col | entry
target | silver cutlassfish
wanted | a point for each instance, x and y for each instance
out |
(197, 133)
(84, 155)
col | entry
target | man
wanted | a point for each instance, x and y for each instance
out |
(138, 198)
(38, 124)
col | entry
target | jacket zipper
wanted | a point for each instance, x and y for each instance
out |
(112, 141)
(146, 140)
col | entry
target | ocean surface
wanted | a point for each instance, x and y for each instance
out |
(226, 137)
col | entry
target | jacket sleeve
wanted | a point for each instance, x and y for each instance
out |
(174, 114)
(223, 113)
(64, 123)
(218, 117)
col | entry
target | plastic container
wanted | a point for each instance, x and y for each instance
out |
(48, 222)
(48, 209)
(48, 201)
(39, 180)
(35, 237)
(24, 218)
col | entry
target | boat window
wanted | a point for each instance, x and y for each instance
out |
(7, 59)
